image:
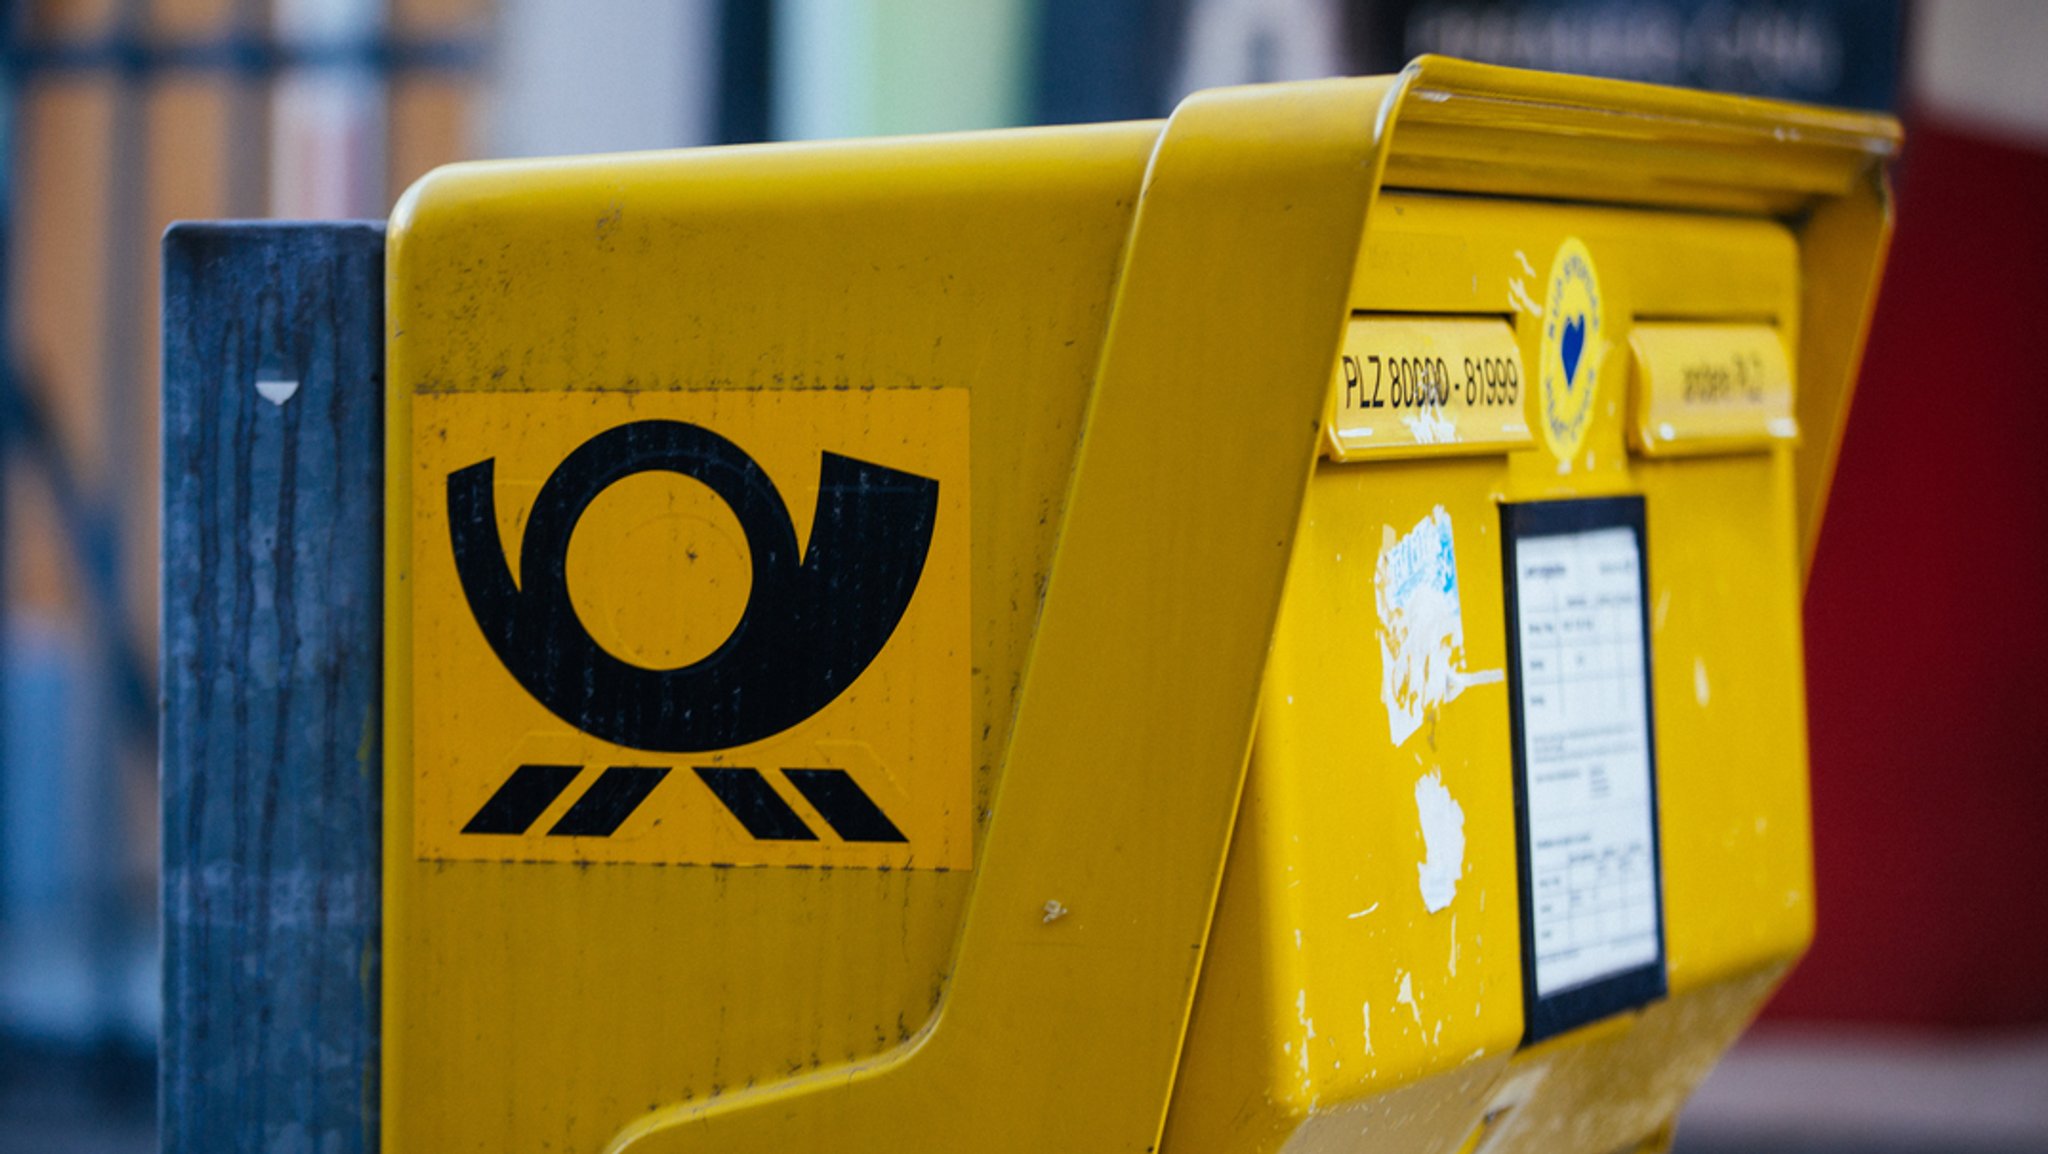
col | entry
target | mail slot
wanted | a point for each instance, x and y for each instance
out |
(1276, 628)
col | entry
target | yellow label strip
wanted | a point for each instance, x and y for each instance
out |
(1709, 388)
(1416, 386)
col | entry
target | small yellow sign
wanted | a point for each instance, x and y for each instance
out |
(1574, 345)
(1426, 385)
(1710, 388)
(713, 627)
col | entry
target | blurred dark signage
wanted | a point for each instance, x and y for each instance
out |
(1116, 59)
(1842, 52)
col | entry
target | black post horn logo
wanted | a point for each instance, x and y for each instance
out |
(809, 628)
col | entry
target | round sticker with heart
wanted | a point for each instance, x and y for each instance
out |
(1572, 349)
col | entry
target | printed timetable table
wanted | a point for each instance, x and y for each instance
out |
(1590, 802)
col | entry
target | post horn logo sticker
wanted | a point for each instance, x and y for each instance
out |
(828, 725)
(1573, 347)
(800, 641)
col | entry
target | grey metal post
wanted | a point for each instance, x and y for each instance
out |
(272, 649)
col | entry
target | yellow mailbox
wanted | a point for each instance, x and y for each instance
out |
(1277, 628)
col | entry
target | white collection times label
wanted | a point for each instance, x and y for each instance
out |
(1586, 745)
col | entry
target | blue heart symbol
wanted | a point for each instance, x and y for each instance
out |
(1571, 346)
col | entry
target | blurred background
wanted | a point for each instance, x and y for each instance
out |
(1919, 1021)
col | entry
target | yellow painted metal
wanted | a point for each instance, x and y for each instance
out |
(1334, 1002)
(546, 1006)
(1705, 388)
(1061, 1022)
(1147, 320)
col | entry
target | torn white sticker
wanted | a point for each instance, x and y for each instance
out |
(1422, 628)
(1443, 842)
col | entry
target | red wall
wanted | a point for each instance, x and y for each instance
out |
(1927, 617)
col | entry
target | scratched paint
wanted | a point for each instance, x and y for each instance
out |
(1432, 427)
(1308, 1027)
(1519, 299)
(1406, 997)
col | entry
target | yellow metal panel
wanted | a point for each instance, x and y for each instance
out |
(1731, 715)
(1331, 981)
(1842, 251)
(1504, 132)
(1061, 1024)
(1337, 1003)
(543, 1006)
